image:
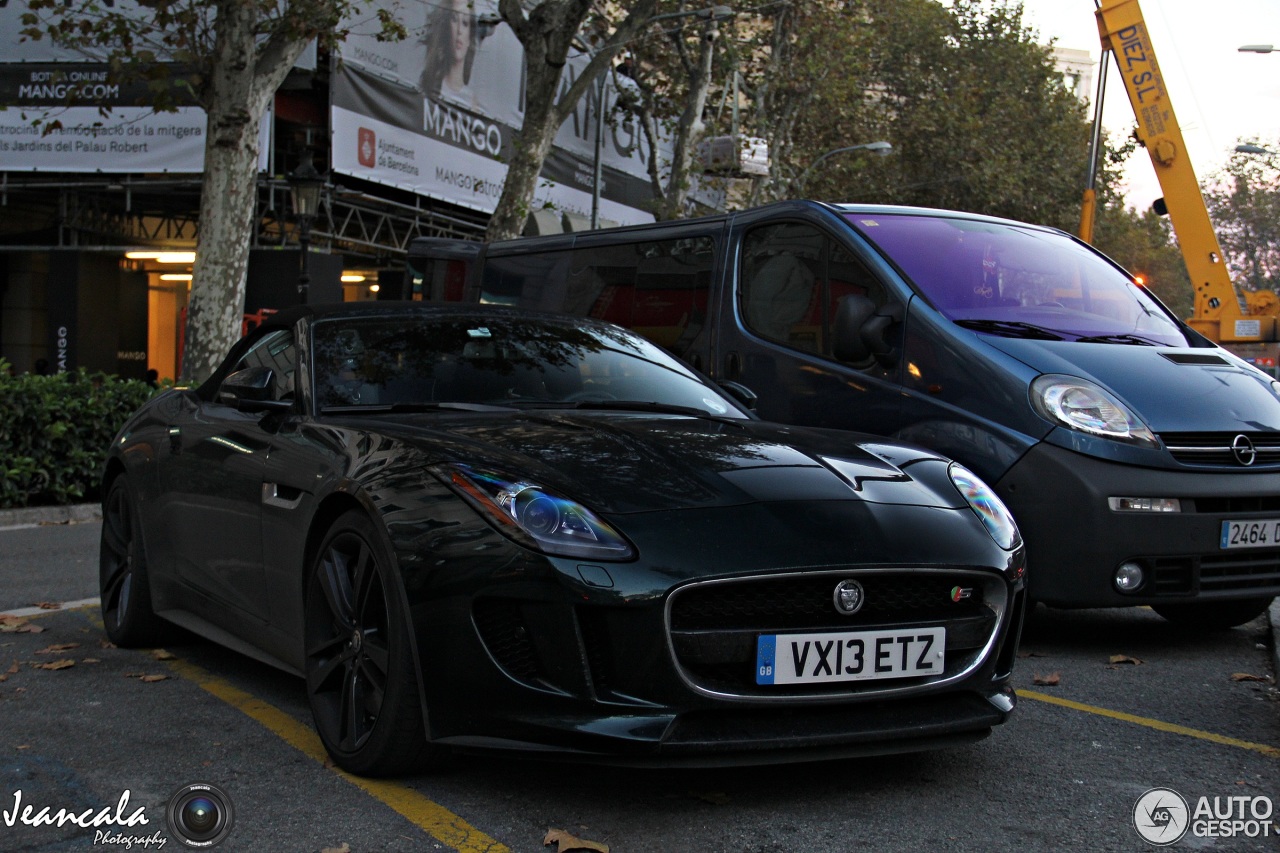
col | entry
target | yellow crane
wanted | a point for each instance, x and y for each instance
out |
(1222, 313)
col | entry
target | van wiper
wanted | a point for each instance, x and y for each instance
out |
(409, 408)
(1011, 329)
(1117, 339)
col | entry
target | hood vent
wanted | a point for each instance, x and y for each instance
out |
(1193, 358)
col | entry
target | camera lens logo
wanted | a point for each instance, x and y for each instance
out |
(1161, 816)
(200, 815)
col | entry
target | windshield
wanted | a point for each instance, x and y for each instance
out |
(1018, 281)
(505, 360)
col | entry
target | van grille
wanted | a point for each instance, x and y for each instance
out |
(1215, 448)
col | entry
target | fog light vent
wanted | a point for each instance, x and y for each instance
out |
(1129, 577)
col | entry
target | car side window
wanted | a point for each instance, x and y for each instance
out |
(279, 352)
(793, 278)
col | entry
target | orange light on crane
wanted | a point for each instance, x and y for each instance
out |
(1140, 280)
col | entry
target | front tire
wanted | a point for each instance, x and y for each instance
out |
(361, 682)
(1214, 615)
(123, 583)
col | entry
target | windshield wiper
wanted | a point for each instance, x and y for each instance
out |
(1117, 339)
(1011, 329)
(406, 408)
(626, 405)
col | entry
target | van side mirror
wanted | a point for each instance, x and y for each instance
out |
(860, 333)
(741, 393)
(250, 390)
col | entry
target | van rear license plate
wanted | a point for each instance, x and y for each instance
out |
(1251, 534)
(844, 656)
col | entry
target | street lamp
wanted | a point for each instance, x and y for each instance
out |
(713, 15)
(881, 148)
(1256, 48)
(305, 184)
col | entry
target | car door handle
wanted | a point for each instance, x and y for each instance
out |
(175, 439)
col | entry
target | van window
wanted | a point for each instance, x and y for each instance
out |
(793, 277)
(659, 288)
(1018, 281)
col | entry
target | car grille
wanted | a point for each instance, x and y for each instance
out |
(714, 625)
(1214, 448)
(1231, 572)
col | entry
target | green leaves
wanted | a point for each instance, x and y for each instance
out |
(55, 430)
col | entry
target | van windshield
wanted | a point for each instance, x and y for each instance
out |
(1016, 281)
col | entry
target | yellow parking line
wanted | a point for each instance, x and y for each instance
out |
(1271, 751)
(432, 818)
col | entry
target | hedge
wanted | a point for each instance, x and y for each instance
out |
(55, 430)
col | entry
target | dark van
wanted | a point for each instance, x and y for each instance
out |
(1141, 460)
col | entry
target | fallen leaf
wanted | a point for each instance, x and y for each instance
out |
(106, 644)
(90, 660)
(48, 605)
(1050, 680)
(152, 679)
(714, 797)
(163, 654)
(57, 647)
(345, 848)
(24, 746)
(65, 663)
(564, 842)
(1244, 676)
(13, 670)
(17, 625)
(1125, 659)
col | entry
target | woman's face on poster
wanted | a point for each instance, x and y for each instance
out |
(460, 31)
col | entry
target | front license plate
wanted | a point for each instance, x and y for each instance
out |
(844, 656)
(1264, 533)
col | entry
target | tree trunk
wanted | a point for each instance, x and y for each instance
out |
(689, 129)
(245, 75)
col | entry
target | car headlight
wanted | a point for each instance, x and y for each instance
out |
(536, 517)
(1081, 405)
(987, 506)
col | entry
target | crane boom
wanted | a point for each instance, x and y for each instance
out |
(1220, 312)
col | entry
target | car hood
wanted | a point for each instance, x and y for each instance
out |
(1171, 389)
(622, 463)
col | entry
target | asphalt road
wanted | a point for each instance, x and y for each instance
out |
(1065, 773)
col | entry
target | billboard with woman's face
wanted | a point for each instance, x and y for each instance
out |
(437, 113)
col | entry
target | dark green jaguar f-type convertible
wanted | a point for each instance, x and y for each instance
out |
(471, 527)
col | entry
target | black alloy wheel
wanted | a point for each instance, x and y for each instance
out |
(122, 573)
(360, 679)
(1214, 615)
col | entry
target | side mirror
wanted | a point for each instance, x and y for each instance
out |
(250, 390)
(860, 331)
(740, 393)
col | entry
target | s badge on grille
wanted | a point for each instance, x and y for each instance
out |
(849, 597)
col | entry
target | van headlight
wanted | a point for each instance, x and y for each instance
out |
(1083, 406)
(987, 506)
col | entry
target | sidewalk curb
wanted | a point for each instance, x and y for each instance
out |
(50, 515)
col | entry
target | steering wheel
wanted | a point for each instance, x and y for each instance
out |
(1050, 305)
